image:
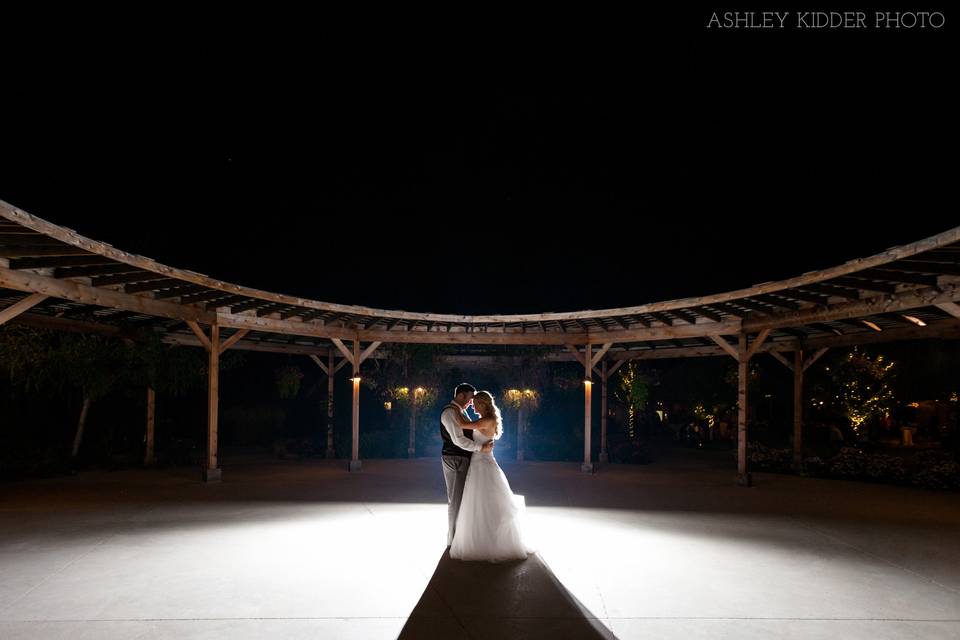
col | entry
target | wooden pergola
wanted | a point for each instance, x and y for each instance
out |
(78, 284)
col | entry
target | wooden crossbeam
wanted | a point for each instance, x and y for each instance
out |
(599, 354)
(269, 309)
(754, 305)
(952, 269)
(41, 251)
(720, 340)
(662, 317)
(797, 294)
(831, 290)
(124, 278)
(292, 312)
(950, 307)
(343, 349)
(900, 276)
(320, 363)
(612, 368)
(757, 343)
(369, 350)
(70, 261)
(778, 302)
(865, 284)
(782, 360)
(202, 297)
(581, 358)
(576, 354)
(20, 306)
(201, 336)
(816, 356)
(707, 313)
(729, 308)
(178, 292)
(152, 285)
(826, 328)
(685, 315)
(252, 303)
(91, 271)
(234, 339)
(226, 302)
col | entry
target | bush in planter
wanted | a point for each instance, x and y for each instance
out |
(936, 471)
(764, 458)
(883, 468)
(849, 463)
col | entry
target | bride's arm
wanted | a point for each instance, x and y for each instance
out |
(463, 421)
(482, 424)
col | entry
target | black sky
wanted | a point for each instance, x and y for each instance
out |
(604, 161)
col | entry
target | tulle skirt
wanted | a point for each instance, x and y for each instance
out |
(491, 523)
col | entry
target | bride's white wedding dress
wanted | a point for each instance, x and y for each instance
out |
(490, 523)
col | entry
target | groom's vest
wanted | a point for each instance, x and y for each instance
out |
(449, 448)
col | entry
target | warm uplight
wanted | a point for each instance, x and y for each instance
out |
(419, 391)
(388, 406)
(356, 379)
(872, 325)
(588, 382)
(915, 320)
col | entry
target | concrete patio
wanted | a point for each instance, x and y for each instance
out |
(303, 549)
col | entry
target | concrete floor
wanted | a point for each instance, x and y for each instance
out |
(303, 549)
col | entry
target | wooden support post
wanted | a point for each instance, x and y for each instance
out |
(798, 409)
(587, 466)
(521, 429)
(743, 475)
(355, 430)
(212, 471)
(604, 375)
(331, 374)
(149, 458)
(412, 437)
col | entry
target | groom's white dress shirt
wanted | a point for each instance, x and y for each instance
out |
(449, 422)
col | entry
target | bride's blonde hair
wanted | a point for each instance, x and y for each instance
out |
(488, 408)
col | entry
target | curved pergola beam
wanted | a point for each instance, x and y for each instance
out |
(808, 288)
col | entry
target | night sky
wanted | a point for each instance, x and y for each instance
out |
(594, 162)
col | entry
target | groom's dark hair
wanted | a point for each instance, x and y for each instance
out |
(464, 387)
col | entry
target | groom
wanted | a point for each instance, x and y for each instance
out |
(457, 447)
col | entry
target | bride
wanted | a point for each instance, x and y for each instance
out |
(490, 524)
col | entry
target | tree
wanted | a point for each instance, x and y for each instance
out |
(633, 390)
(409, 380)
(524, 401)
(38, 360)
(48, 361)
(861, 385)
(530, 374)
